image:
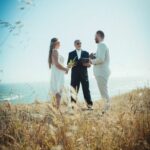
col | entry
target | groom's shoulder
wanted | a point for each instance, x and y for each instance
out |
(103, 45)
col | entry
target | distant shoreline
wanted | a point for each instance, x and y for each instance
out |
(80, 101)
(29, 92)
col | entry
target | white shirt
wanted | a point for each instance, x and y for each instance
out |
(78, 53)
(101, 63)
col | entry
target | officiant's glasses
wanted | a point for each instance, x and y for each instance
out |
(79, 43)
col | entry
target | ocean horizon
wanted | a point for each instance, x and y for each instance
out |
(24, 93)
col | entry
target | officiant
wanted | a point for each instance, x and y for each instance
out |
(79, 72)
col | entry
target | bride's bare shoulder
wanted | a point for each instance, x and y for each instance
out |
(55, 52)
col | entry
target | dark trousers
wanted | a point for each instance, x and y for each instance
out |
(75, 83)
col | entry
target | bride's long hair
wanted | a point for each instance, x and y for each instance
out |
(52, 46)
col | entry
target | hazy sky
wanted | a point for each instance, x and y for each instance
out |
(126, 23)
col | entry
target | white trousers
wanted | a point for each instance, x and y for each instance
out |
(102, 85)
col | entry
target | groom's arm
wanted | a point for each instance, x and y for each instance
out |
(101, 52)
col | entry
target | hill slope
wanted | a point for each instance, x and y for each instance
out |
(37, 126)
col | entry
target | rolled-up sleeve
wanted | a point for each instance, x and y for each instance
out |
(100, 56)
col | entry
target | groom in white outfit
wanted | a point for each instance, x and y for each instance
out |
(100, 62)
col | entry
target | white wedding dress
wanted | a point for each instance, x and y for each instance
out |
(57, 77)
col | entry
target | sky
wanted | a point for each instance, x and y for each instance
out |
(24, 51)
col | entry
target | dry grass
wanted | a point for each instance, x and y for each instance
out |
(38, 126)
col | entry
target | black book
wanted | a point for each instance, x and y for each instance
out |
(84, 60)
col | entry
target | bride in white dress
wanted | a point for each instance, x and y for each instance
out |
(57, 70)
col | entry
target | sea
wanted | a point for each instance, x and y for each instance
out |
(25, 93)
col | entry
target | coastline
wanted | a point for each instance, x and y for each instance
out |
(24, 93)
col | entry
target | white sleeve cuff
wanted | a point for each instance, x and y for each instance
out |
(93, 61)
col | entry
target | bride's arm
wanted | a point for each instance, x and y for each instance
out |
(57, 64)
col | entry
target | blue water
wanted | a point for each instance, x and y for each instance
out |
(29, 92)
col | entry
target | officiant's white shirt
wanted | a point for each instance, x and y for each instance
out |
(101, 63)
(78, 53)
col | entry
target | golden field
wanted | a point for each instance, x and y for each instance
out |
(39, 126)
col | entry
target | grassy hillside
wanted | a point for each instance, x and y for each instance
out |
(126, 126)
